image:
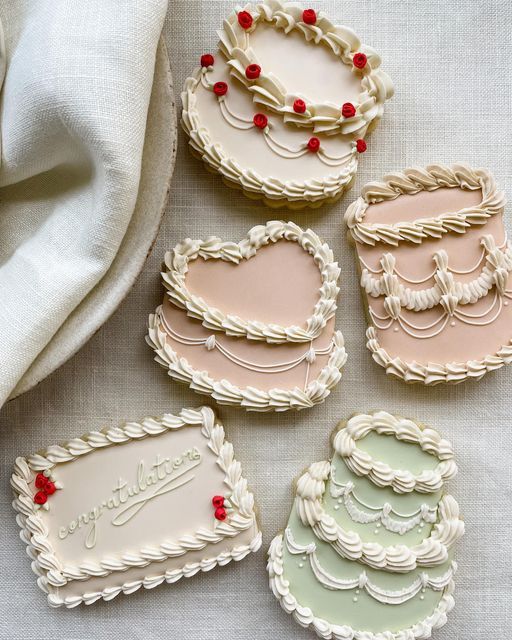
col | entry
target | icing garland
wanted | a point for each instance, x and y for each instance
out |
(413, 181)
(387, 596)
(382, 514)
(250, 398)
(176, 263)
(446, 291)
(380, 473)
(433, 373)
(214, 155)
(349, 544)
(268, 91)
(324, 629)
(35, 532)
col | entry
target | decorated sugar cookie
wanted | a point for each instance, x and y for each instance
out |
(133, 506)
(435, 269)
(283, 108)
(252, 323)
(367, 552)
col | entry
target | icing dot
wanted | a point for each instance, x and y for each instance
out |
(253, 71)
(301, 564)
(245, 19)
(207, 60)
(423, 590)
(361, 146)
(260, 120)
(506, 303)
(303, 557)
(395, 329)
(299, 106)
(313, 144)
(357, 592)
(378, 525)
(340, 500)
(354, 599)
(376, 532)
(422, 597)
(452, 323)
(220, 88)
(348, 110)
(336, 507)
(309, 16)
(359, 60)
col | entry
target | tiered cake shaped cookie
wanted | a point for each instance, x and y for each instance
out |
(436, 273)
(368, 549)
(252, 324)
(282, 110)
(133, 506)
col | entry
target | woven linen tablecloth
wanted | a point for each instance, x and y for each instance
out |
(450, 62)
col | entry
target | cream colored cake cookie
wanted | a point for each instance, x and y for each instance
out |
(133, 506)
(252, 323)
(435, 269)
(367, 553)
(282, 109)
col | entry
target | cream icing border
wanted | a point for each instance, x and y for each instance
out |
(34, 532)
(269, 92)
(381, 474)
(250, 398)
(273, 190)
(304, 616)
(398, 558)
(412, 181)
(213, 248)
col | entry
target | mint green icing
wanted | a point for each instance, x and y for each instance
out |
(396, 453)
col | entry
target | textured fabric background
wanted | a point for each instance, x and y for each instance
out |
(450, 61)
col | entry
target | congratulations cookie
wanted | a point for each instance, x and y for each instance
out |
(252, 323)
(282, 110)
(435, 271)
(133, 506)
(368, 548)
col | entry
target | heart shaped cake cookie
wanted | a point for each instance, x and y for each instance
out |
(367, 552)
(283, 108)
(436, 273)
(252, 323)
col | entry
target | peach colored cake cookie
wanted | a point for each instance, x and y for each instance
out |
(435, 272)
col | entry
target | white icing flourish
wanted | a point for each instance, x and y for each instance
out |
(434, 373)
(35, 533)
(295, 192)
(381, 514)
(252, 399)
(213, 248)
(349, 544)
(413, 181)
(362, 581)
(268, 91)
(324, 629)
(380, 473)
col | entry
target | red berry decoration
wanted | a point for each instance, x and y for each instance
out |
(40, 481)
(40, 497)
(313, 144)
(220, 88)
(361, 146)
(218, 501)
(348, 110)
(221, 513)
(309, 16)
(50, 488)
(207, 60)
(245, 19)
(253, 71)
(299, 106)
(260, 120)
(359, 60)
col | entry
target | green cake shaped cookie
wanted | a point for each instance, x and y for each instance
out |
(367, 553)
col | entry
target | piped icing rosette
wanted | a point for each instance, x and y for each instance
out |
(435, 269)
(283, 108)
(252, 323)
(367, 558)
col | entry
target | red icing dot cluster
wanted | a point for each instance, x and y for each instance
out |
(348, 110)
(245, 19)
(359, 60)
(253, 71)
(46, 488)
(309, 16)
(299, 106)
(260, 120)
(207, 60)
(313, 144)
(361, 146)
(220, 88)
(220, 511)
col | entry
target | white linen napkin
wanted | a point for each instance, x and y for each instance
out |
(72, 121)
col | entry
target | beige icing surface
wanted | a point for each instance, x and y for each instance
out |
(277, 285)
